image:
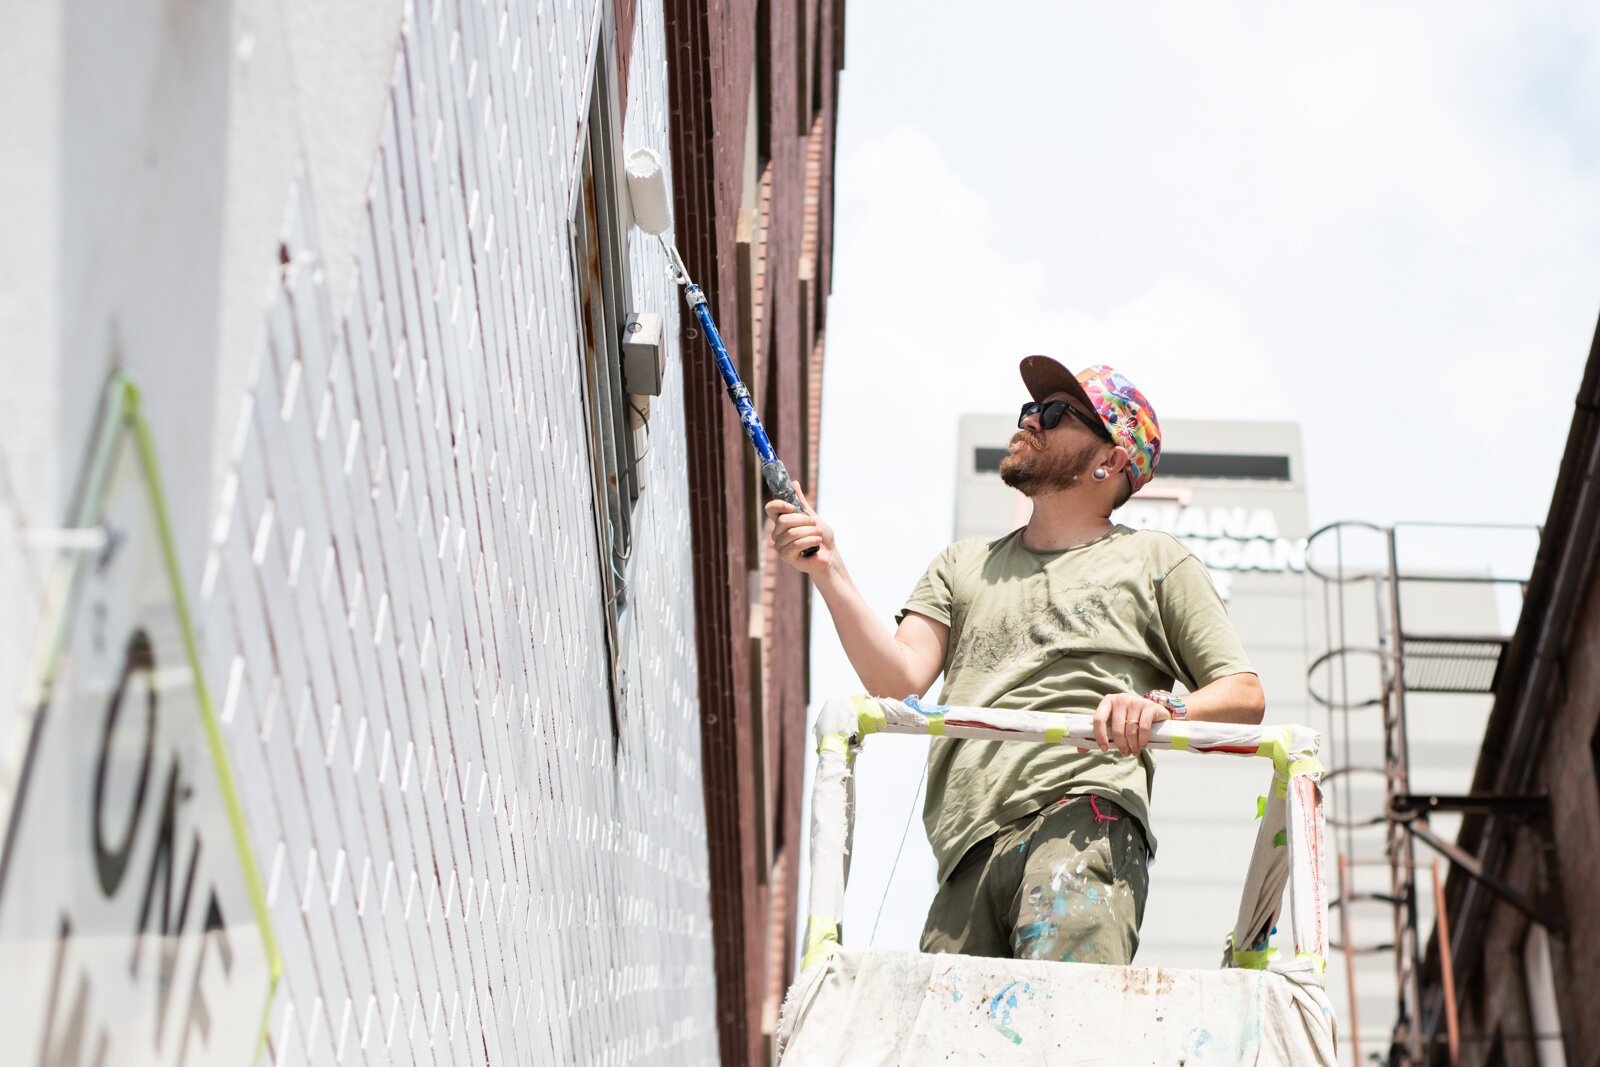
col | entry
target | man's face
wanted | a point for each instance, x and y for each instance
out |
(1040, 460)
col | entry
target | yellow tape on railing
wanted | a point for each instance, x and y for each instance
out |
(834, 743)
(1254, 959)
(1307, 765)
(1274, 744)
(936, 725)
(1179, 735)
(1057, 732)
(822, 940)
(869, 716)
(1322, 964)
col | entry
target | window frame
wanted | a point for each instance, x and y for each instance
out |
(597, 225)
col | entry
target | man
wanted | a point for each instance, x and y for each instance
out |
(1043, 850)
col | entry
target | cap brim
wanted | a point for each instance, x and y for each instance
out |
(1043, 376)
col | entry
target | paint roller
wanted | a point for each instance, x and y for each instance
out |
(652, 213)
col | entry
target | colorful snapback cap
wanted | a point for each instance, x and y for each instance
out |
(1120, 405)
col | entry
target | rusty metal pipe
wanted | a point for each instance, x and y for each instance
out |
(1446, 968)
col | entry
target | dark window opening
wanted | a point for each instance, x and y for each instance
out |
(763, 86)
(1496, 1056)
(1223, 465)
(1594, 754)
(615, 424)
(987, 460)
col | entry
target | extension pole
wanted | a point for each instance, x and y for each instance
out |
(772, 469)
(773, 472)
(652, 213)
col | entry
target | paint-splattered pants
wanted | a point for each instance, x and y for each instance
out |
(1065, 883)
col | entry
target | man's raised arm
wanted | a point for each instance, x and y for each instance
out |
(890, 663)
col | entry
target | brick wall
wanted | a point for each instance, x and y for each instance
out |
(792, 51)
(1495, 1000)
(1542, 738)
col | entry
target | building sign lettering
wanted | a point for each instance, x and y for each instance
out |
(1225, 539)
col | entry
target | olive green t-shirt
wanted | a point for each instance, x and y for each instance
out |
(1055, 631)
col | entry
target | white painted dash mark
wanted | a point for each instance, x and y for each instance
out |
(231, 700)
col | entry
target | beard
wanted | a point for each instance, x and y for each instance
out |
(1031, 470)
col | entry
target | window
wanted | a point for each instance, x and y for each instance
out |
(753, 333)
(1594, 755)
(1496, 1056)
(1178, 465)
(616, 420)
(1217, 465)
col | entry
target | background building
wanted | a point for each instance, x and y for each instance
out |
(1524, 961)
(395, 675)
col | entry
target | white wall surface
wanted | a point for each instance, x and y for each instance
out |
(377, 463)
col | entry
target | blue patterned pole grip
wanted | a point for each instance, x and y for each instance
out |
(737, 391)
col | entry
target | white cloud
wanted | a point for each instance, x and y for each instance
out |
(1368, 220)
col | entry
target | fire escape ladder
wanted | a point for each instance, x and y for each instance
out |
(1404, 660)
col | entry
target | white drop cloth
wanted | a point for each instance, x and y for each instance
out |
(887, 1006)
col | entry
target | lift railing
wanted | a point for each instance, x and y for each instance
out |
(1288, 848)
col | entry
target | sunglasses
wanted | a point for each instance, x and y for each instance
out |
(1050, 414)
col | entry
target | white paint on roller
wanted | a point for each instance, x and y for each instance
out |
(647, 188)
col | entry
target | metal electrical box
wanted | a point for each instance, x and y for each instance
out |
(644, 354)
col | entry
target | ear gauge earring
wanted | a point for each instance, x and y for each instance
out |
(1100, 474)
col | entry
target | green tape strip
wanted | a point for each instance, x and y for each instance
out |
(1280, 839)
(936, 725)
(1056, 731)
(129, 395)
(1180, 735)
(869, 716)
(822, 940)
(1274, 745)
(1280, 786)
(1254, 959)
(1315, 957)
(1261, 807)
(834, 743)
(1308, 765)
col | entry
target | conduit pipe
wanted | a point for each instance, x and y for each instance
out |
(1544, 1018)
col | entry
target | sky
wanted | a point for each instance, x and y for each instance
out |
(1378, 220)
